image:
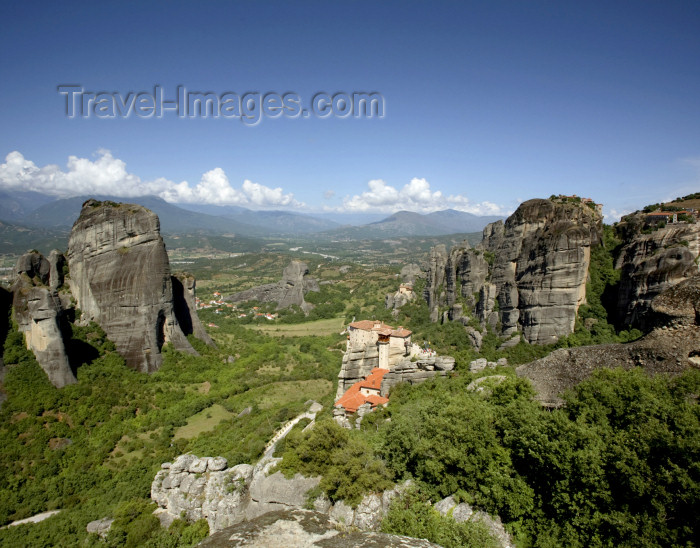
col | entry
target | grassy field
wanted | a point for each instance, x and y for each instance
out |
(203, 421)
(318, 327)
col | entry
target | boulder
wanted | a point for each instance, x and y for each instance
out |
(100, 527)
(464, 512)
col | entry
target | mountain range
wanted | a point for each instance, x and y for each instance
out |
(31, 211)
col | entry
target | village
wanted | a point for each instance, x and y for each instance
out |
(218, 304)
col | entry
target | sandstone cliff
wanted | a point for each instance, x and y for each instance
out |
(527, 275)
(120, 277)
(650, 263)
(39, 313)
(295, 283)
(672, 347)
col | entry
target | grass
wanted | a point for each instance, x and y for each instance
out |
(318, 327)
(203, 421)
(281, 393)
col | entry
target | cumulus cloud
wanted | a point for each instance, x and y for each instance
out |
(107, 175)
(414, 196)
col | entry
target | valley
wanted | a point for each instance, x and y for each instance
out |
(91, 441)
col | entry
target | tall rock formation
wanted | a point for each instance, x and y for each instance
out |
(39, 314)
(120, 277)
(652, 262)
(527, 275)
(184, 294)
(289, 291)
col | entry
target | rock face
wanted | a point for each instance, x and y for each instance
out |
(184, 293)
(463, 512)
(650, 264)
(297, 528)
(295, 283)
(40, 316)
(205, 488)
(672, 347)
(357, 363)
(411, 272)
(120, 277)
(417, 372)
(527, 275)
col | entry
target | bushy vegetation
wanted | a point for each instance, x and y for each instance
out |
(92, 449)
(617, 466)
(413, 515)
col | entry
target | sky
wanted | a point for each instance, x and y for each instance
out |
(484, 104)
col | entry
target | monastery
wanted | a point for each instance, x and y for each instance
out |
(393, 346)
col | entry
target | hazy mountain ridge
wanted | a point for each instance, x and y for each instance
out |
(36, 210)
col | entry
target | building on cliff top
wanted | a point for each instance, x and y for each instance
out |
(393, 344)
(364, 391)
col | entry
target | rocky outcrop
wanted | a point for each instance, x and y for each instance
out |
(527, 275)
(304, 528)
(184, 294)
(435, 280)
(651, 263)
(411, 272)
(671, 347)
(205, 488)
(39, 314)
(394, 301)
(662, 351)
(295, 283)
(462, 512)
(357, 363)
(120, 277)
(417, 372)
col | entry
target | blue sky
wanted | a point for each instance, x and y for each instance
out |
(486, 104)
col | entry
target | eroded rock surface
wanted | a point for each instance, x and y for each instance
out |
(206, 488)
(295, 283)
(39, 314)
(120, 277)
(528, 274)
(304, 528)
(417, 372)
(652, 263)
(184, 294)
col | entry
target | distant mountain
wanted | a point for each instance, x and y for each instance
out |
(15, 206)
(408, 223)
(64, 212)
(281, 222)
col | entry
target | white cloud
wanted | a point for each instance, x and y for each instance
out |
(414, 196)
(107, 175)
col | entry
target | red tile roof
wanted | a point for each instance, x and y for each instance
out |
(353, 398)
(381, 328)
